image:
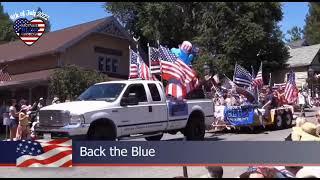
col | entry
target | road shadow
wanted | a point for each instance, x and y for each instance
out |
(211, 138)
(247, 130)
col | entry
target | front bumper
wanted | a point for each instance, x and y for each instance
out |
(65, 131)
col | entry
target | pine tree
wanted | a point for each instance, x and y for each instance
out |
(6, 27)
(312, 27)
(295, 34)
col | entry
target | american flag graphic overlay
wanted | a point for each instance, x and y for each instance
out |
(4, 76)
(242, 76)
(155, 66)
(44, 153)
(290, 90)
(134, 65)
(29, 37)
(258, 80)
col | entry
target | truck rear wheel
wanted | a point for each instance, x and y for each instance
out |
(277, 124)
(287, 117)
(195, 129)
(154, 138)
(101, 131)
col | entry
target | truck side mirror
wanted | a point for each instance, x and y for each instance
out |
(130, 100)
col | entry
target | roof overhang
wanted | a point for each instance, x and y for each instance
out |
(37, 77)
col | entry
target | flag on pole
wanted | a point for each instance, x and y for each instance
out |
(173, 67)
(154, 61)
(138, 68)
(258, 80)
(145, 72)
(134, 65)
(290, 90)
(242, 76)
(4, 75)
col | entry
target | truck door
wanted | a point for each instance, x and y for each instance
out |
(135, 119)
(157, 108)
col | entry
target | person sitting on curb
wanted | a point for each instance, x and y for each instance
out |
(213, 172)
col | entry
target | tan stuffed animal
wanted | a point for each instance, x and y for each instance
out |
(309, 128)
(300, 121)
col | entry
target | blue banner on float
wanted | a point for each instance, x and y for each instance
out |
(239, 115)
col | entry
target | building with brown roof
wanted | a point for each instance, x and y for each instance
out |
(101, 45)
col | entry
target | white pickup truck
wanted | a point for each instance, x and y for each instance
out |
(125, 110)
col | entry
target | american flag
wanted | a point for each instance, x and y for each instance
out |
(44, 153)
(258, 80)
(242, 76)
(4, 75)
(175, 68)
(29, 37)
(154, 60)
(145, 72)
(139, 69)
(290, 90)
(134, 65)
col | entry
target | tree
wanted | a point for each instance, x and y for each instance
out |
(311, 29)
(6, 27)
(232, 31)
(47, 22)
(295, 34)
(70, 81)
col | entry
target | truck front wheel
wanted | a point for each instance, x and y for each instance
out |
(101, 130)
(195, 129)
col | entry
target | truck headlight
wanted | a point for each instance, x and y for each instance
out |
(76, 119)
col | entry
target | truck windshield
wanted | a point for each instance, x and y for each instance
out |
(104, 92)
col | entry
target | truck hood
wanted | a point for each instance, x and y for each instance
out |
(79, 107)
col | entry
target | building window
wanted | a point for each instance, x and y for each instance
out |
(100, 63)
(115, 65)
(108, 64)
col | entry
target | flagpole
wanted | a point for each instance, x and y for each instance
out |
(270, 79)
(161, 79)
(129, 60)
(150, 73)
(234, 71)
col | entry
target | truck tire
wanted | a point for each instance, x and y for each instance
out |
(277, 124)
(101, 131)
(154, 138)
(195, 129)
(287, 119)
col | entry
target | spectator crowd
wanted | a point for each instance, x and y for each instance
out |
(20, 116)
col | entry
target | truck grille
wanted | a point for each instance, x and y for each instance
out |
(54, 118)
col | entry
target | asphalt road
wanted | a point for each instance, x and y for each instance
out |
(156, 172)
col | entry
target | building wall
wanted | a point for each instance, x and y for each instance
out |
(301, 74)
(87, 52)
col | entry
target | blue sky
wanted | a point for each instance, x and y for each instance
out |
(65, 14)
